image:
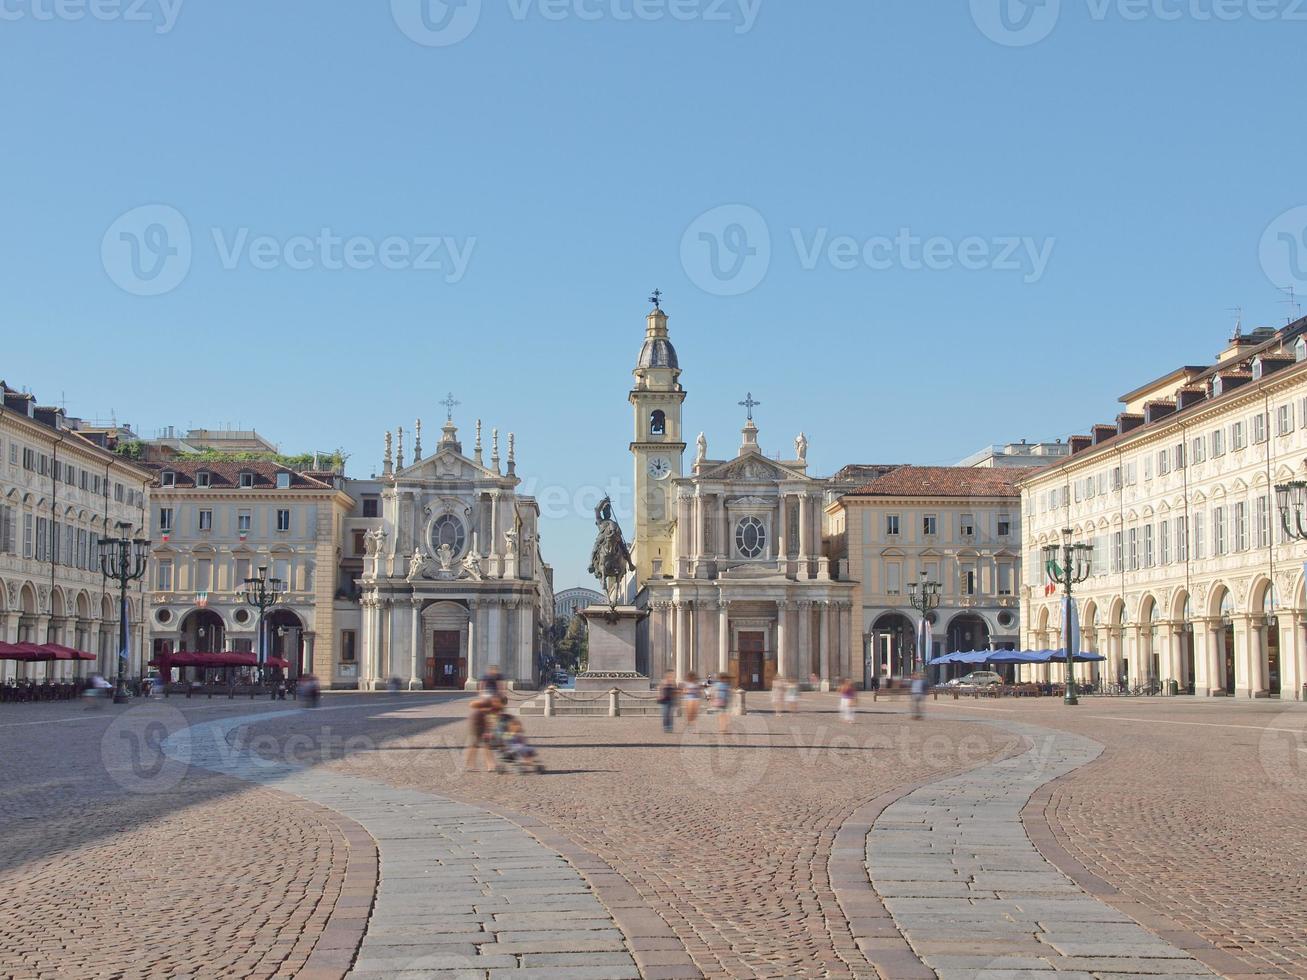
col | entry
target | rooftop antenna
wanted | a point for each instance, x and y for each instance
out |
(1238, 320)
(1295, 307)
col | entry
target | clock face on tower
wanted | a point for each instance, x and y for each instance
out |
(660, 467)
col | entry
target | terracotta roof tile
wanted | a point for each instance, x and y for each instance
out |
(947, 481)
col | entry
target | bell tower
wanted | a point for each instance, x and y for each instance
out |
(658, 446)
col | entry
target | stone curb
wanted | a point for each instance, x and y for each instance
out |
(1036, 819)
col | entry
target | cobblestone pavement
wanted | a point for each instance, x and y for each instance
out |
(199, 875)
(974, 897)
(727, 839)
(460, 891)
(1196, 814)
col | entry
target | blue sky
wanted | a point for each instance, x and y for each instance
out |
(1093, 180)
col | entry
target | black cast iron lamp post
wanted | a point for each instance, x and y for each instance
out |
(924, 597)
(263, 593)
(123, 559)
(1068, 564)
(1291, 498)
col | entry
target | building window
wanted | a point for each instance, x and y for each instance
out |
(371, 507)
(1263, 523)
(1005, 523)
(242, 570)
(750, 537)
(1259, 428)
(165, 518)
(1199, 537)
(283, 520)
(243, 519)
(930, 525)
(1237, 439)
(1284, 420)
(1005, 578)
(247, 480)
(1148, 546)
(1164, 542)
(163, 576)
(658, 423)
(892, 525)
(283, 480)
(1134, 549)
(893, 578)
(1218, 443)
(1181, 539)
(1240, 526)
(448, 530)
(27, 536)
(969, 582)
(348, 646)
(360, 542)
(203, 574)
(968, 525)
(1218, 531)
(1163, 463)
(1179, 456)
(206, 520)
(1197, 450)
(1118, 555)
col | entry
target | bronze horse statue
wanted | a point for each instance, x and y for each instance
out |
(610, 560)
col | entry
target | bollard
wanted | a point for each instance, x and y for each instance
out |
(614, 703)
(955, 694)
(741, 705)
(875, 695)
(550, 693)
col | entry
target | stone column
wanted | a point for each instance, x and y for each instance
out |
(846, 631)
(804, 662)
(784, 639)
(385, 652)
(1115, 641)
(823, 642)
(805, 536)
(682, 611)
(526, 641)
(783, 536)
(1245, 638)
(724, 637)
(366, 653)
(475, 631)
(496, 560)
(684, 535)
(1292, 676)
(723, 539)
(497, 652)
(1259, 656)
(8, 634)
(415, 644)
(310, 665)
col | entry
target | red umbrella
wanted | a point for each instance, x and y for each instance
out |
(281, 662)
(28, 652)
(61, 652)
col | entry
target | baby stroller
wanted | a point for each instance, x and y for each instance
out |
(513, 753)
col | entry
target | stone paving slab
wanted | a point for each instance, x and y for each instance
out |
(974, 897)
(461, 891)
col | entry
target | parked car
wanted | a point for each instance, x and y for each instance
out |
(977, 678)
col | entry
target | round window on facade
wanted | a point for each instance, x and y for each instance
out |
(163, 617)
(241, 616)
(448, 530)
(750, 537)
(1005, 619)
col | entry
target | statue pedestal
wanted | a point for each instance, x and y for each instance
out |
(612, 650)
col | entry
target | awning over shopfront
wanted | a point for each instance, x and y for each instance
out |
(41, 653)
(980, 657)
(185, 658)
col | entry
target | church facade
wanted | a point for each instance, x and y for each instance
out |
(453, 581)
(728, 557)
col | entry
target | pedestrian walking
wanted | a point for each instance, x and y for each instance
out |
(668, 692)
(875, 682)
(778, 688)
(848, 701)
(490, 682)
(792, 697)
(691, 697)
(479, 720)
(721, 702)
(918, 694)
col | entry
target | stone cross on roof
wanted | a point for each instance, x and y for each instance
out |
(749, 404)
(656, 299)
(450, 404)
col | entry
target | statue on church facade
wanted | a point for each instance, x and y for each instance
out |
(701, 448)
(801, 447)
(610, 560)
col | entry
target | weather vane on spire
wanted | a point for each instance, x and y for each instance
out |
(656, 299)
(749, 404)
(450, 404)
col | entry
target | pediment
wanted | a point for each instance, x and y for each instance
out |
(754, 468)
(445, 466)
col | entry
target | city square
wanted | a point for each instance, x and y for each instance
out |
(783, 848)
(653, 489)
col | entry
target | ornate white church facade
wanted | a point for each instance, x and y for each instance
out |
(728, 558)
(453, 581)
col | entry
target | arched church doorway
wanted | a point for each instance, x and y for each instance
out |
(445, 629)
(203, 631)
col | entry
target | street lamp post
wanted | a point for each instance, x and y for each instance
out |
(1291, 498)
(924, 597)
(123, 559)
(263, 593)
(1068, 564)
